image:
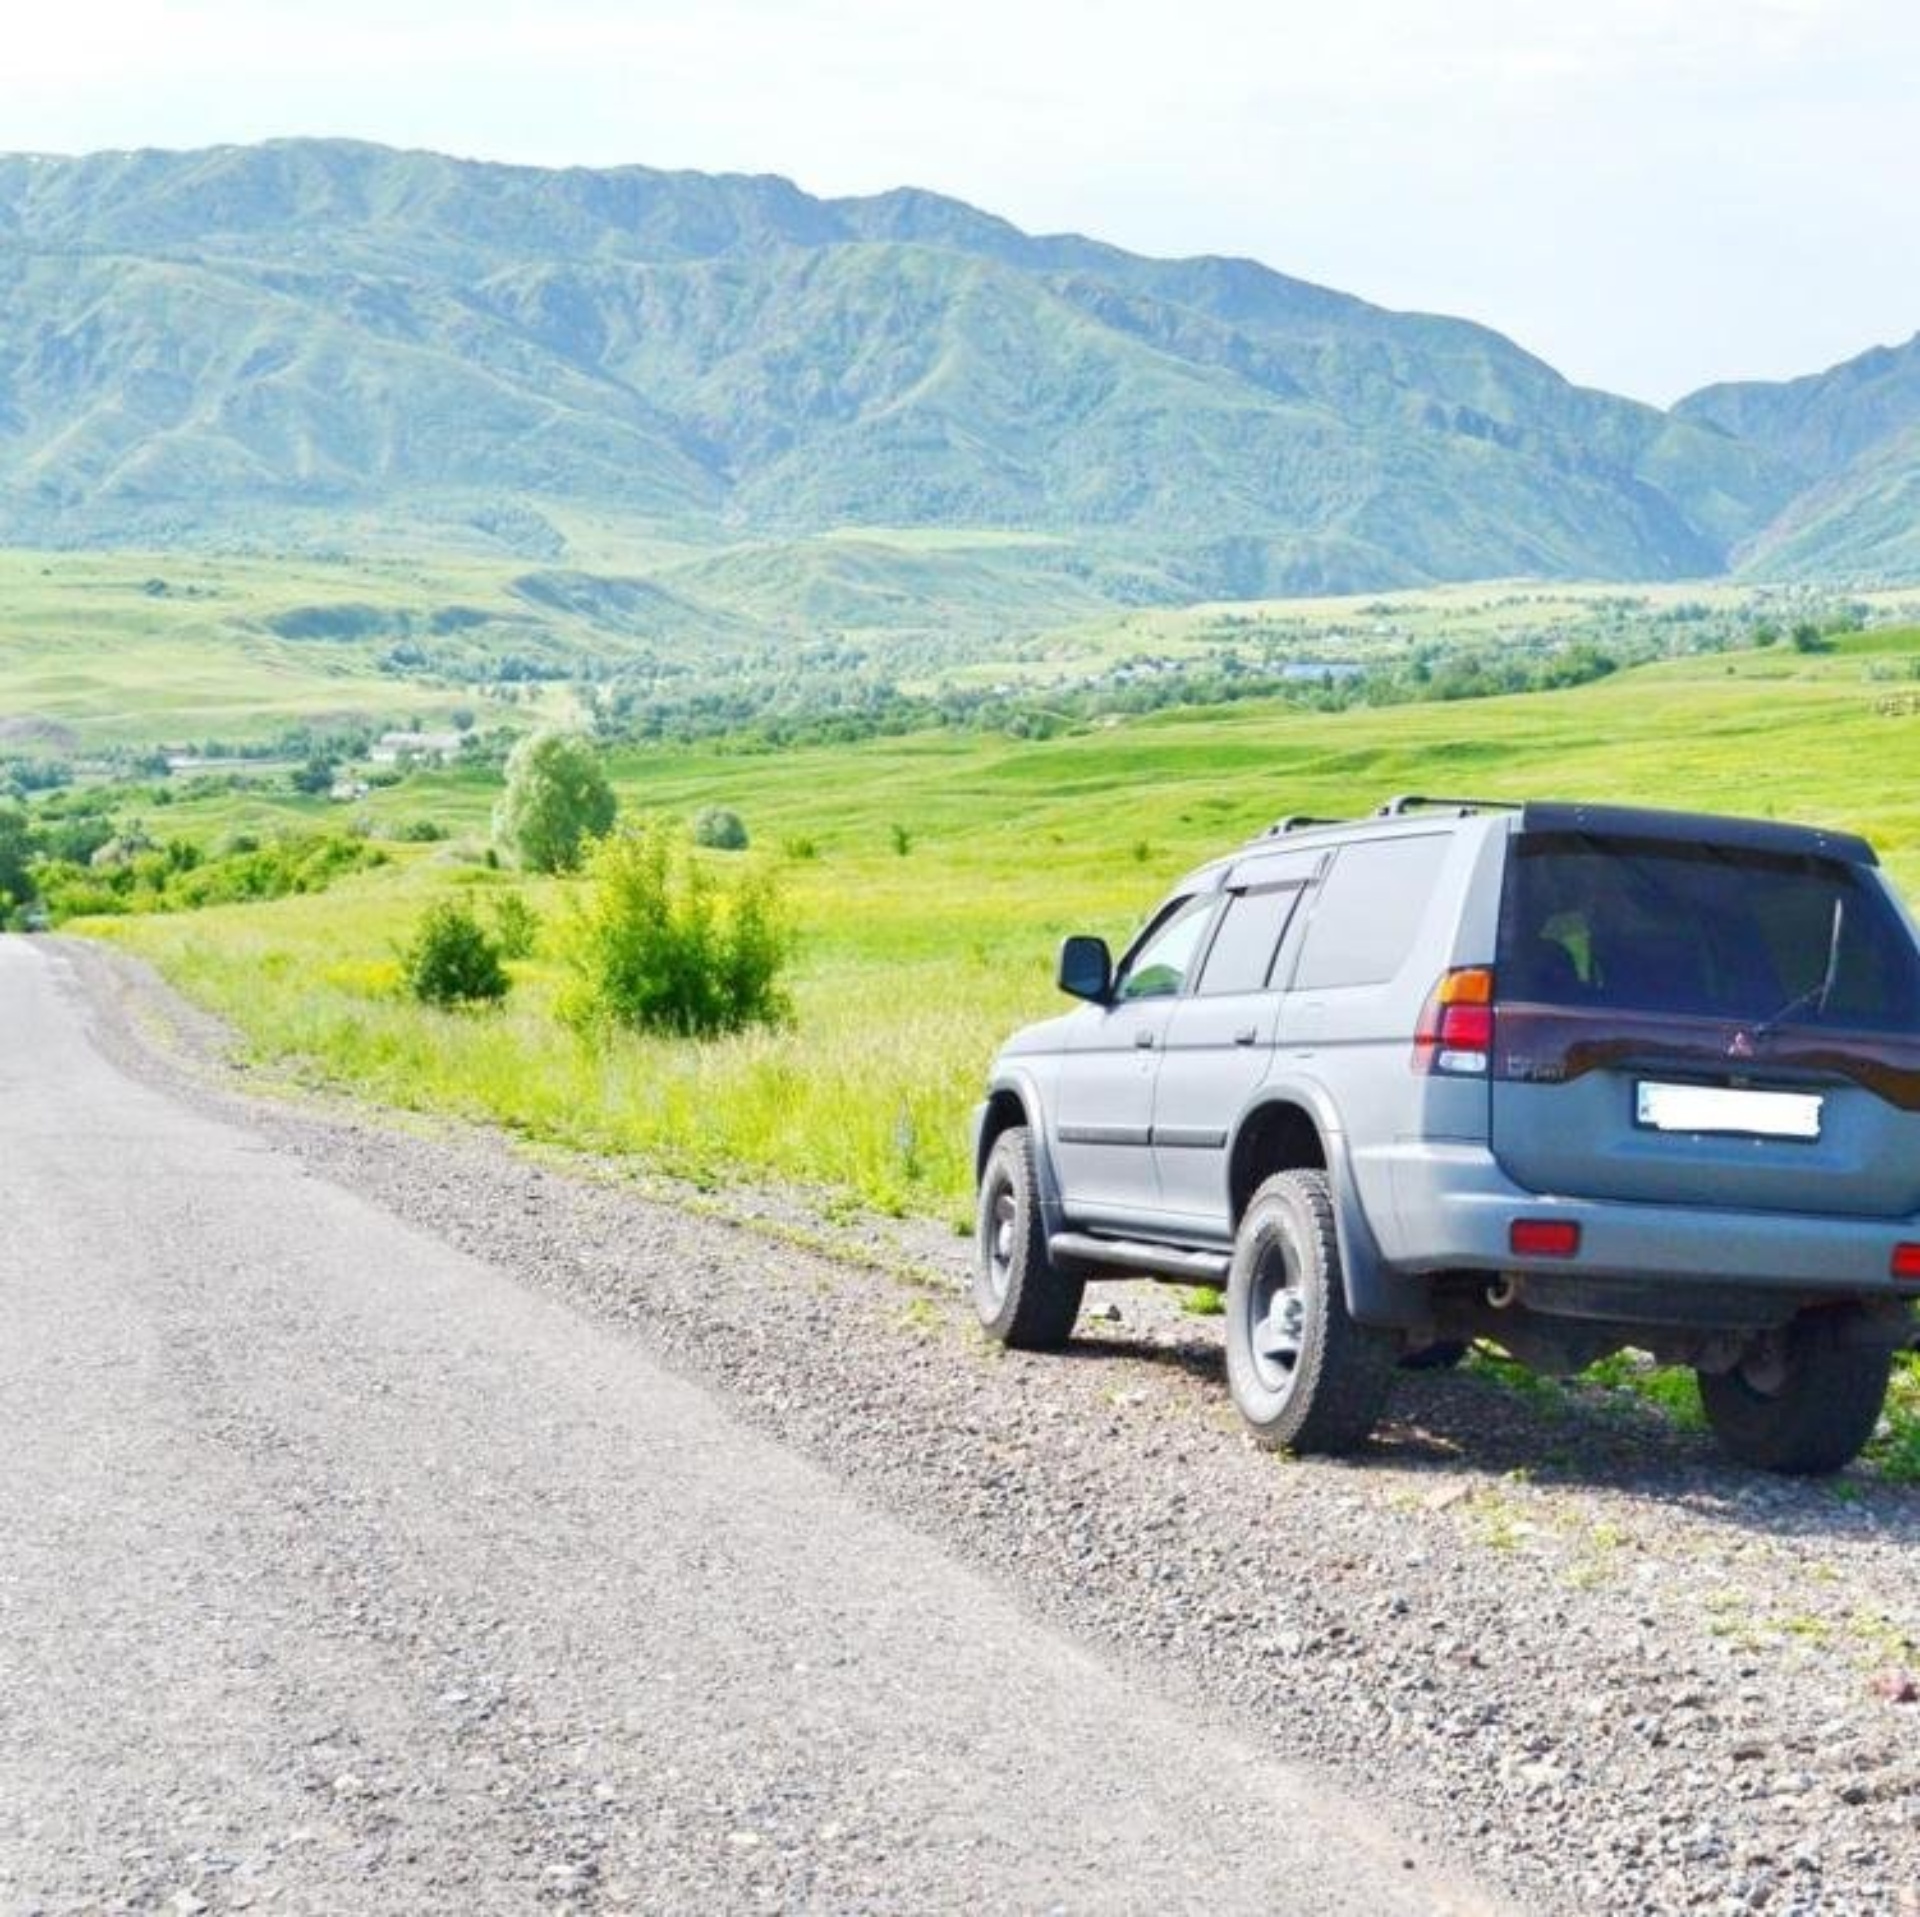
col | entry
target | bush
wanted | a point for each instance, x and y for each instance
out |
(516, 926)
(719, 829)
(654, 948)
(557, 798)
(421, 832)
(452, 961)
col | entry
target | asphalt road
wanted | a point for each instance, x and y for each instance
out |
(341, 1572)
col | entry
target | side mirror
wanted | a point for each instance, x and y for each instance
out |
(1086, 968)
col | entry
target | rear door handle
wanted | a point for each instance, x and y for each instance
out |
(1245, 1035)
(1144, 1040)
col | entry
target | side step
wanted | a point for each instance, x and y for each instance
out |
(1090, 1257)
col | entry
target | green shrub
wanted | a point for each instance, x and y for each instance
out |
(451, 960)
(901, 839)
(656, 948)
(719, 829)
(557, 798)
(421, 832)
(516, 926)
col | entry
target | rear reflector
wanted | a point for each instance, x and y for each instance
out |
(1455, 1033)
(1906, 1261)
(1543, 1238)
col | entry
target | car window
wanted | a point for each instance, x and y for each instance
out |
(1705, 930)
(1369, 910)
(1241, 955)
(1159, 968)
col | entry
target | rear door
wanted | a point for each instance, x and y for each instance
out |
(1686, 1023)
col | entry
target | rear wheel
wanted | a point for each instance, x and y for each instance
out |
(1802, 1400)
(1304, 1375)
(1021, 1296)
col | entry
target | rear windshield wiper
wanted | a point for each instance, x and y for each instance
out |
(1817, 994)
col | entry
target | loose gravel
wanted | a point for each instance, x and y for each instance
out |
(1603, 1666)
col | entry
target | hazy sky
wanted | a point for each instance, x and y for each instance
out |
(1649, 193)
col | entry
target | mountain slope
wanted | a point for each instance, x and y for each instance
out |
(1851, 437)
(187, 340)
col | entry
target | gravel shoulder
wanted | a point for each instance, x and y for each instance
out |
(1564, 1640)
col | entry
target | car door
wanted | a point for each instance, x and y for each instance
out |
(1219, 1039)
(1104, 1105)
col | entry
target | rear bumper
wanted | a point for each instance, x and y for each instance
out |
(1450, 1207)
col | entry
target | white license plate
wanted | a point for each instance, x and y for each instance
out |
(1724, 1108)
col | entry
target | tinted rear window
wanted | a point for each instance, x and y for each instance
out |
(1747, 936)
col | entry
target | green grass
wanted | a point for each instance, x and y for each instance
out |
(913, 967)
(99, 650)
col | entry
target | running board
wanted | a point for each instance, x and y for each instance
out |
(1089, 1257)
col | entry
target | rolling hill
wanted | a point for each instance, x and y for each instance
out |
(258, 342)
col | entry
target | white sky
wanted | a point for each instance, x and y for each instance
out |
(1649, 193)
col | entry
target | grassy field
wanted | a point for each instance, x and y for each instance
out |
(912, 965)
(105, 650)
(99, 650)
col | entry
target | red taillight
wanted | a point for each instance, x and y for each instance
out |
(1906, 1261)
(1455, 1034)
(1543, 1238)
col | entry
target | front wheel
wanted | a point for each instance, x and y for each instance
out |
(1304, 1374)
(1022, 1298)
(1802, 1400)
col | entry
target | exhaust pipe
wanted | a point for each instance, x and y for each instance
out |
(1504, 1292)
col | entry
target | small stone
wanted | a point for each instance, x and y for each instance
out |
(1896, 1686)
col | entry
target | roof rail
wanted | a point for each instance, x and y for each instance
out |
(1405, 802)
(1297, 822)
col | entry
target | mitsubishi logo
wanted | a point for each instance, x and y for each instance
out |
(1740, 1046)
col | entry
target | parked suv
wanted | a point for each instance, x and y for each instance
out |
(1563, 1077)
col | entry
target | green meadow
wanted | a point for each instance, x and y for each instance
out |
(911, 964)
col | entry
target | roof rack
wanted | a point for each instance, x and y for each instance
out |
(1297, 822)
(1399, 807)
(1395, 808)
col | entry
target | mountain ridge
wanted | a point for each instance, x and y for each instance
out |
(190, 340)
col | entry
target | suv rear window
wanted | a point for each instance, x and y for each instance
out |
(1703, 930)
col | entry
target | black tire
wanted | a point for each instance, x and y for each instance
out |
(1448, 1355)
(1022, 1298)
(1304, 1375)
(1804, 1403)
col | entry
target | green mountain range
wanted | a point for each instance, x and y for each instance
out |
(1851, 438)
(266, 341)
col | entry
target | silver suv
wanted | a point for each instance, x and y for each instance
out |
(1563, 1077)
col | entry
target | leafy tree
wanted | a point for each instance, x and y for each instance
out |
(557, 798)
(452, 961)
(656, 948)
(719, 829)
(16, 852)
(516, 926)
(315, 778)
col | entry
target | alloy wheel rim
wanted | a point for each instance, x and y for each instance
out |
(1276, 1320)
(1002, 1229)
